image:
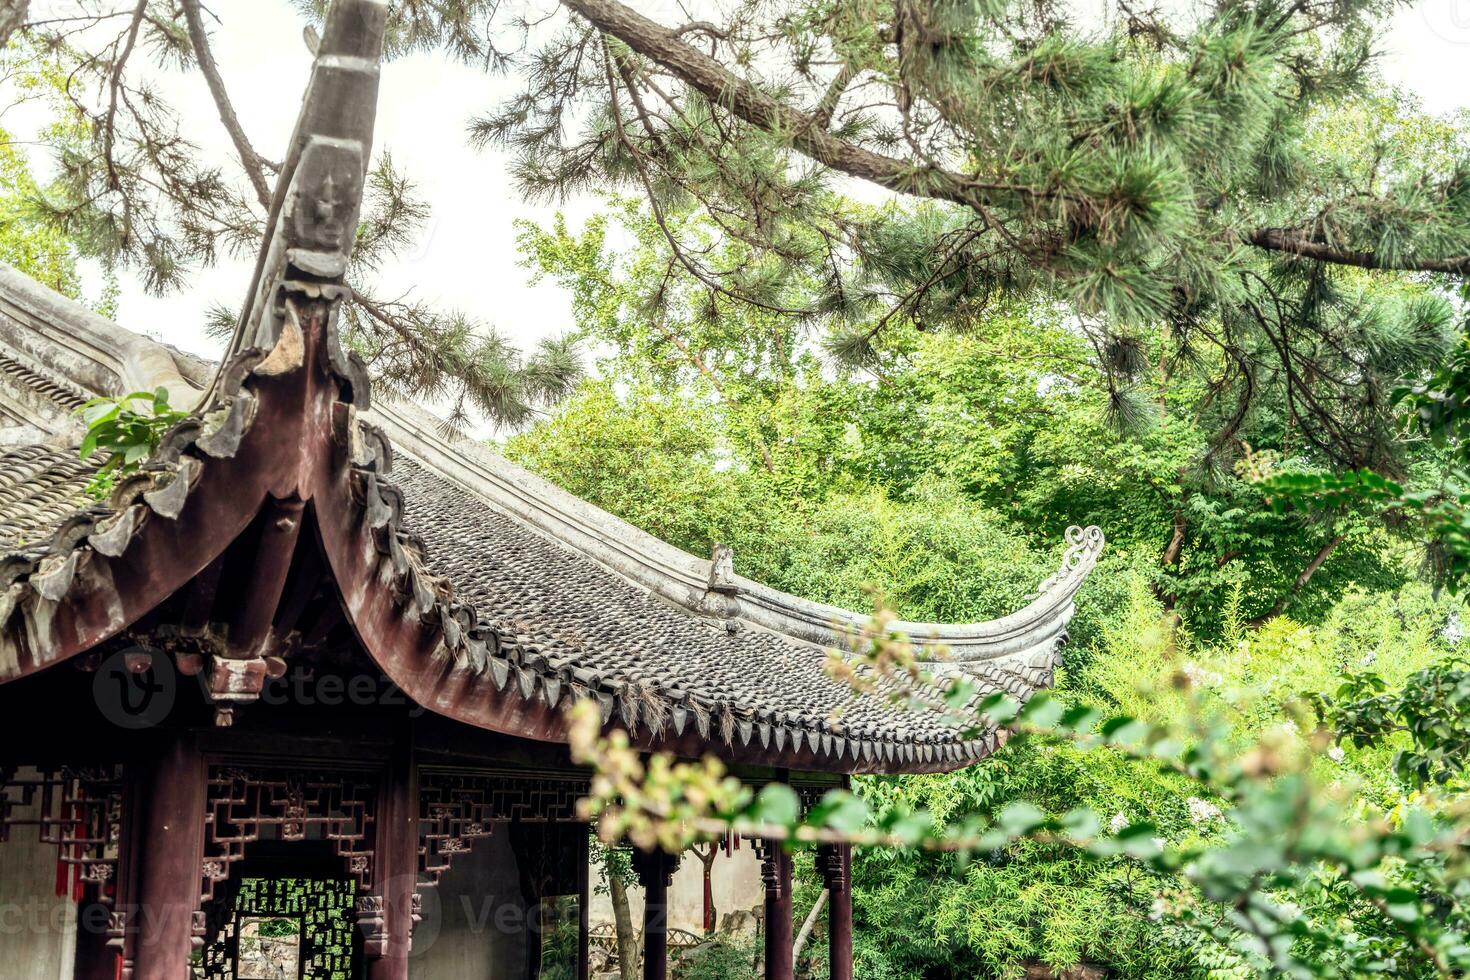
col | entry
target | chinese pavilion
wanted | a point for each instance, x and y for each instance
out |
(289, 701)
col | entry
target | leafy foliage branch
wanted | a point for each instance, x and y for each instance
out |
(128, 429)
(1285, 832)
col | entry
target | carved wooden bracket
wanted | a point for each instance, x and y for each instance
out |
(651, 866)
(833, 866)
(769, 853)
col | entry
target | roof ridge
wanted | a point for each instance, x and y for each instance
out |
(73, 346)
(704, 585)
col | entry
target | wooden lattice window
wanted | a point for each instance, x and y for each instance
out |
(457, 809)
(246, 806)
(77, 809)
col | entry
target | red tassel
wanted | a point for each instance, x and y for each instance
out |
(79, 886)
(63, 873)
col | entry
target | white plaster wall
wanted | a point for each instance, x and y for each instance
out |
(475, 922)
(37, 928)
(735, 881)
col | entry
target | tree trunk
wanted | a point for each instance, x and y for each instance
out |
(808, 925)
(1173, 552)
(12, 15)
(1302, 579)
(623, 918)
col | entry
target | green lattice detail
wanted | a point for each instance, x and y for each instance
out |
(285, 929)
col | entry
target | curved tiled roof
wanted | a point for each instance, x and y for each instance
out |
(40, 487)
(524, 590)
(553, 610)
(597, 629)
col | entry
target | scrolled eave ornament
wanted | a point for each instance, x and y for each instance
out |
(1084, 547)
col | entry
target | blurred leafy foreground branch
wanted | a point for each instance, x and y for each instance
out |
(1397, 881)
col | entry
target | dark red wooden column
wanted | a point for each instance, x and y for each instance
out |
(170, 845)
(396, 853)
(835, 863)
(655, 872)
(776, 874)
(94, 959)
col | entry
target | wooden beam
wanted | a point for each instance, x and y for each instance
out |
(251, 622)
(200, 595)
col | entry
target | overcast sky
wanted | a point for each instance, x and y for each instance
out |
(467, 257)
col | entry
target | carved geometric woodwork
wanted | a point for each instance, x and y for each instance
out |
(247, 805)
(769, 853)
(811, 794)
(457, 809)
(77, 809)
(831, 863)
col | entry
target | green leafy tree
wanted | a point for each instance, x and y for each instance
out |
(1014, 416)
(1144, 172)
(917, 478)
(41, 253)
(1240, 847)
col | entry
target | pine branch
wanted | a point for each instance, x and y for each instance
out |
(822, 114)
(253, 164)
(724, 88)
(712, 280)
(1299, 243)
(114, 85)
(809, 135)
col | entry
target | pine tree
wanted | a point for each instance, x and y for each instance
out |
(1145, 171)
